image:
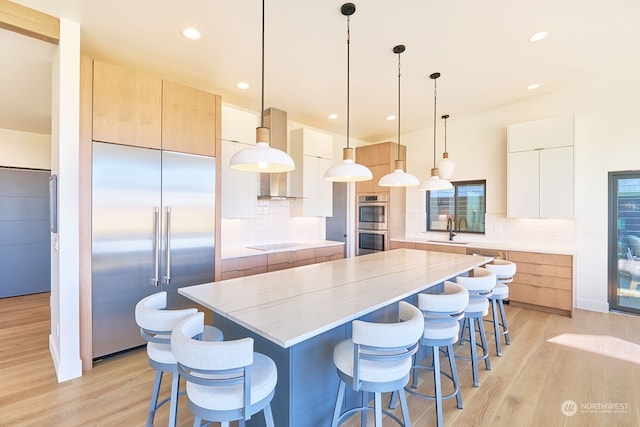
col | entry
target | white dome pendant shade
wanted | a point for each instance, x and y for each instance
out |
(435, 182)
(262, 158)
(446, 166)
(348, 170)
(398, 178)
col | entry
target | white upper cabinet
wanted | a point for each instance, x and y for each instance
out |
(312, 151)
(239, 189)
(540, 169)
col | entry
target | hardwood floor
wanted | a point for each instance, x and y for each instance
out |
(592, 359)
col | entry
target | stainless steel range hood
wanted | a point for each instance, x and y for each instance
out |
(273, 186)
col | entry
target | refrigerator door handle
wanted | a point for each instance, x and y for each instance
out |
(168, 265)
(156, 244)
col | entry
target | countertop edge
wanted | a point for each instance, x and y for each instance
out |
(247, 252)
(505, 246)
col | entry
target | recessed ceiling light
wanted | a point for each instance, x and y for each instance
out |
(242, 85)
(391, 117)
(538, 36)
(533, 86)
(191, 33)
(333, 116)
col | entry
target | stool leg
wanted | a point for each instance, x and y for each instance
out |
(154, 398)
(405, 408)
(438, 384)
(505, 327)
(197, 422)
(339, 398)
(173, 409)
(454, 374)
(483, 341)
(377, 403)
(496, 325)
(474, 355)
(268, 415)
(363, 404)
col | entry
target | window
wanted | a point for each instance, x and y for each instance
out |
(464, 204)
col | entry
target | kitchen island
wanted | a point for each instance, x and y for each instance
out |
(296, 316)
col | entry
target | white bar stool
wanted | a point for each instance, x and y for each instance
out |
(442, 313)
(156, 325)
(377, 359)
(480, 284)
(504, 271)
(226, 380)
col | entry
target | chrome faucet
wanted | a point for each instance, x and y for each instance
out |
(450, 228)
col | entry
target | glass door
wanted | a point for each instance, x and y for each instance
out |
(624, 241)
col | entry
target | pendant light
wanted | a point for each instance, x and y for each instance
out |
(446, 165)
(348, 170)
(262, 157)
(398, 178)
(435, 182)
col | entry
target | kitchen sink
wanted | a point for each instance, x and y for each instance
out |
(448, 242)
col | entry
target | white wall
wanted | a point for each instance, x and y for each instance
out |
(64, 340)
(606, 137)
(25, 149)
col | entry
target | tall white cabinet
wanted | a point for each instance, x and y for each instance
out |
(312, 151)
(239, 189)
(540, 169)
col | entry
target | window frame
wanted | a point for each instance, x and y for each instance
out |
(456, 184)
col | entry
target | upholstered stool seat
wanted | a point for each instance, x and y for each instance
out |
(504, 271)
(377, 359)
(227, 380)
(442, 312)
(156, 325)
(480, 284)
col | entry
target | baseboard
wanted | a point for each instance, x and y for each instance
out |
(65, 370)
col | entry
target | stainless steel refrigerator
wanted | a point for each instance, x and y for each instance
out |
(153, 225)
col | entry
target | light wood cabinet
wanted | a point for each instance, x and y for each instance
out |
(451, 249)
(127, 106)
(188, 119)
(380, 159)
(543, 281)
(132, 108)
(239, 189)
(540, 169)
(243, 266)
(312, 152)
(246, 266)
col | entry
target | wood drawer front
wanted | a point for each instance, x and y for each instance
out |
(243, 263)
(544, 270)
(328, 251)
(280, 266)
(329, 257)
(303, 255)
(232, 274)
(305, 261)
(543, 281)
(543, 259)
(401, 245)
(280, 258)
(546, 297)
(442, 248)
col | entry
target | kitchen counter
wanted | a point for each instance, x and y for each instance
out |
(465, 242)
(271, 248)
(297, 316)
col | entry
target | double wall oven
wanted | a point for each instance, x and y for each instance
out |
(372, 223)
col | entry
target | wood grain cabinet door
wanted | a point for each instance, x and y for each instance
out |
(188, 119)
(127, 106)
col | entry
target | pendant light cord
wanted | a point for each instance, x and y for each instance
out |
(348, 73)
(262, 89)
(435, 97)
(445, 133)
(398, 107)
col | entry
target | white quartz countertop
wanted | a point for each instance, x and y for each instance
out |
(284, 247)
(292, 305)
(504, 246)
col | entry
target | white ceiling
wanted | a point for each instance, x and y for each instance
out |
(481, 49)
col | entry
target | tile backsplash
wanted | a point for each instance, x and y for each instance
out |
(500, 229)
(272, 224)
